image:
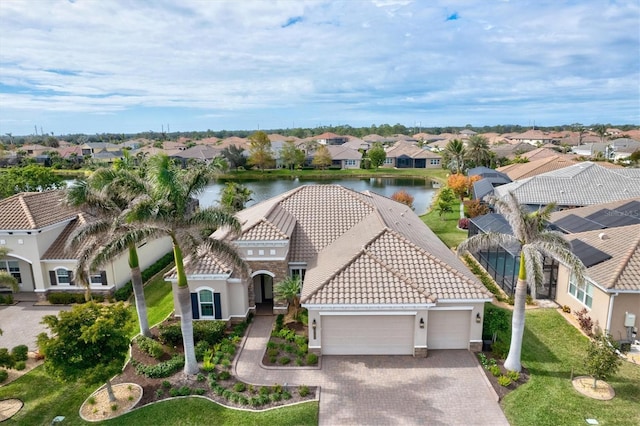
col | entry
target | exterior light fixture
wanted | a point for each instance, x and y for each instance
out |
(314, 325)
(421, 322)
(478, 318)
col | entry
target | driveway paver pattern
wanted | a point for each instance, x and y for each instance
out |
(447, 388)
(20, 323)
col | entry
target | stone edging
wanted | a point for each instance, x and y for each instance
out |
(486, 379)
(16, 412)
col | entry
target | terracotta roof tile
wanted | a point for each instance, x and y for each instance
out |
(34, 210)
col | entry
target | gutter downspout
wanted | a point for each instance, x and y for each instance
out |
(610, 313)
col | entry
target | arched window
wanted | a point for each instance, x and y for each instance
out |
(64, 276)
(205, 299)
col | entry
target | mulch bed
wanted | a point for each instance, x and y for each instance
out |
(503, 390)
(277, 356)
(154, 390)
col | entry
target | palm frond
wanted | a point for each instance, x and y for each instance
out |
(214, 218)
(486, 241)
(225, 252)
(86, 231)
(563, 255)
(533, 262)
(122, 240)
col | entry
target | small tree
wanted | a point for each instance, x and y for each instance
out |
(377, 155)
(322, 157)
(447, 195)
(403, 197)
(89, 343)
(235, 197)
(260, 154)
(602, 360)
(443, 207)
(459, 184)
(289, 289)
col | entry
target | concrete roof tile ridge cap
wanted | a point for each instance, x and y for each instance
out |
(625, 261)
(439, 261)
(401, 277)
(357, 195)
(27, 210)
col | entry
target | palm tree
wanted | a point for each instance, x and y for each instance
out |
(109, 194)
(171, 210)
(455, 153)
(536, 242)
(289, 289)
(478, 150)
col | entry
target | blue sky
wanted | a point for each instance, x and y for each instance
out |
(89, 66)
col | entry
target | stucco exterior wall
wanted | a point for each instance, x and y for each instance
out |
(622, 303)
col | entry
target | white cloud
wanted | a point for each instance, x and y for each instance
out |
(348, 60)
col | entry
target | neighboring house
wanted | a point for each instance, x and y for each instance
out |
(404, 155)
(511, 151)
(617, 149)
(578, 185)
(490, 178)
(375, 279)
(533, 137)
(106, 157)
(536, 167)
(329, 138)
(357, 144)
(34, 150)
(91, 148)
(606, 237)
(345, 157)
(200, 153)
(35, 226)
(466, 133)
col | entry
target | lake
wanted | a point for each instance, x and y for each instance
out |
(420, 189)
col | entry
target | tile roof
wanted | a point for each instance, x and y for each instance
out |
(342, 152)
(57, 251)
(34, 210)
(536, 167)
(622, 270)
(204, 264)
(577, 185)
(401, 148)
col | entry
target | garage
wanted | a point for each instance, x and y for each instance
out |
(448, 329)
(367, 334)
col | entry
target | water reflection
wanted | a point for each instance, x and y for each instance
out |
(263, 189)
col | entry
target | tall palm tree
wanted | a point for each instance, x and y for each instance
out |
(536, 242)
(171, 210)
(478, 150)
(455, 153)
(109, 194)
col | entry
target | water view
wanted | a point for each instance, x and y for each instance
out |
(420, 189)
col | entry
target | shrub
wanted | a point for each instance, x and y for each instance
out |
(289, 348)
(287, 334)
(159, 392)
(495, 370)
(210, 331)
(279, 323)
(20, 365)
(303, 390)
(566, 309)
(299, 361)
(273, 352)
(277, 388)
(264, 390)
(201, 348)
(224, 375)
(284, 360)
(166, 384)
(513, 375)
(485, 278)
(312, 359)
(20, 353)
(275, 397)
(65, 298)
(114, 407)
(474, 208)
(500, 347)
(504, 381)
(92, 400)
(6, 359)
(286, 395)
(271, 345)
(3, 375)
(239, 387)
(149, 346)
(254, 401)
(182, 391)
(273, 359)
(585, 321)
(200, 377)
(124, 293)
(163, 369)
(199, 391)
(463, 223)
(403, 197)
(6, 299)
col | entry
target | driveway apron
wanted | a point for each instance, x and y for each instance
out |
(21, 323)
(446, 388)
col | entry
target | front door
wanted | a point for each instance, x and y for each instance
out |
(266, 284)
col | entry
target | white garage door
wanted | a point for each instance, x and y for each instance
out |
(367, 335)
(448, 329)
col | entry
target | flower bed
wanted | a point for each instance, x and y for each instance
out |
(502, 380)
(289, 346)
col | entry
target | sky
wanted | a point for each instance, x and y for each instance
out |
(96, 66)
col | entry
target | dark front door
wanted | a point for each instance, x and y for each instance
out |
(266, 285)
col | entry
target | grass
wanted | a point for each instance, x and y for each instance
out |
(551, 348)
(446, 226)
(159, 300)
(193, 411)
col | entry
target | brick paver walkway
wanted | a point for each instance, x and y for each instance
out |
(447, 388)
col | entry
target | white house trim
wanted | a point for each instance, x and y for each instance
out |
(263, 272)
(452, 308)
(385, 307)
(368, 313)
(464, 300)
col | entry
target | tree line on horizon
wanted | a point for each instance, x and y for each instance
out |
(385, 130)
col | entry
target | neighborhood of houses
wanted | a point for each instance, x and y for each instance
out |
(375, 279)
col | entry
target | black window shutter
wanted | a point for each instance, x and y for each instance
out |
(53, 278)
(194, 306)
(103, 277)
(216, 306)
(71, 278)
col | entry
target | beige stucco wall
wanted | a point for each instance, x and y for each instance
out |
(622, 303)
(233, 296)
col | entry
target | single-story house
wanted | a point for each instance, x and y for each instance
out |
(345, 157)
(606, 237)
(329, 138)
(35, 226)
(407, 155)
(533, 137)
(375, 279)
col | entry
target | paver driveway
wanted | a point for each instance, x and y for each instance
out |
(20, 323)
(447, 388)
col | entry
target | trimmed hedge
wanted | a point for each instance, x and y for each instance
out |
(65, 298)
(163, 369)
(6, 299)
(125, 292)
(210, 331)
(20, 352)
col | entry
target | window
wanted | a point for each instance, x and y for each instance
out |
(435, 161)
(12, 267)
(64, 276)
(298, 271)
(96, 279)
(584, 292)
(388, 160)
(350, 162)
(206, 303)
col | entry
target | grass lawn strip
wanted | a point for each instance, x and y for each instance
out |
(552, 348)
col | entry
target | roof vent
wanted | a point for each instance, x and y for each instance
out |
(603, 236)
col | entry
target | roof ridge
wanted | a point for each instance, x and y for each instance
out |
(27, 210)
(625, 261)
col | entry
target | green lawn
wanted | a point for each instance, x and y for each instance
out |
(446, 226)
(198, 411)
(159, 301)
(551, 348)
